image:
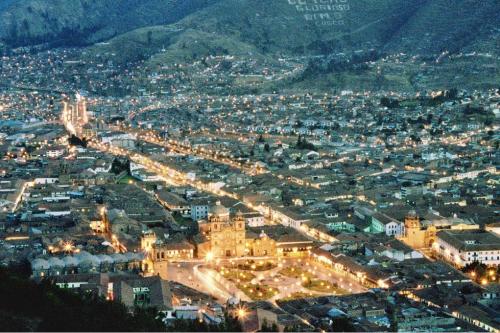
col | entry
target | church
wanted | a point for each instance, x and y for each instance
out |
(222, 236)
(226, 236)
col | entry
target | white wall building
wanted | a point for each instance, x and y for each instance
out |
(465, 247)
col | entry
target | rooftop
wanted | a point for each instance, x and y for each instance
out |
(470, 240)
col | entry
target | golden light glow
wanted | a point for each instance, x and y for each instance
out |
(241, 312)
(68, 246)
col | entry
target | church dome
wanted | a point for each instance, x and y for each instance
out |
(412, 213)
(219, 210)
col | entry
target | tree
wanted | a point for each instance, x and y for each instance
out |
(429, 118)
(29, 306)
(150, 37)
(389, 102)
(269, 328)
(76, 141)
(342, 324)
(452, 93)
(119, 166)
(302, 143)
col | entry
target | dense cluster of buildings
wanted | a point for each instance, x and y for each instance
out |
(395, 195)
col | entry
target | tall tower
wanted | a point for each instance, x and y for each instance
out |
(240, 234)
(412, 223)
(81, 109)
(148, 239)
(156, 260)
(414, 236)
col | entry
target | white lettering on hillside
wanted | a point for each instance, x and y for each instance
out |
(322, 12)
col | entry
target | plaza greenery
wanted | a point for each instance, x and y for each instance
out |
(322, 286)
(257, 266)
(242, 280)
(257, 292)
(309, 281)
(235, 275)
(296, 295)
(481, 273)
(295, 272)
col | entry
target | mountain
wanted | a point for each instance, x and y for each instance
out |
(452, 25)
(175, 31)
(80, 22)
(265, 27)
(270, 26)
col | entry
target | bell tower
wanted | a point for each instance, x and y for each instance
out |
(148, 239)
(239, 234)
(412, 223)
(414, 236)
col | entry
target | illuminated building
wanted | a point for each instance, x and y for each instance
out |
(414, 235)
(422, 235)
(226, 235)
(159, 253)
(465, 247)
(74, 116)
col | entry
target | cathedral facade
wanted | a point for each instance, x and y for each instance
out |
(224, 235)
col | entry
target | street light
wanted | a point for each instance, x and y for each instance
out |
(241, 313)
(67, 246)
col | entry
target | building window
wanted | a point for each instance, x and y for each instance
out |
(142, 298)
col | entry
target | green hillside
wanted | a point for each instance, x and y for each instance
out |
(270, 26)
(80, 22)
(277, 27)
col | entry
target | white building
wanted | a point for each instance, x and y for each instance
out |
(254, 219)
(465, 247)
(386, 224)
(288, 218)
(55, 153)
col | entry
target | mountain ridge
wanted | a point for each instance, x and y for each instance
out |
(251, 26)
(270, 26)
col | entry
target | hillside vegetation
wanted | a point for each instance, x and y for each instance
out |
(269, 26)
(29, 306)
(80, 22)
(263, 27)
